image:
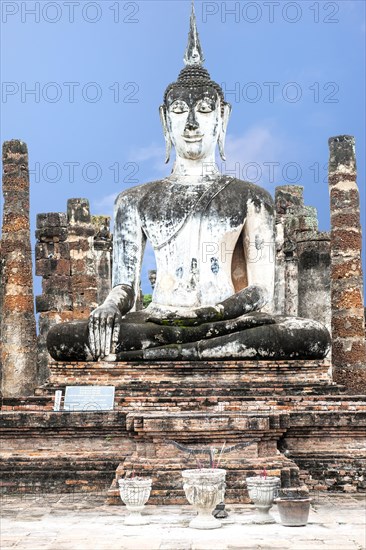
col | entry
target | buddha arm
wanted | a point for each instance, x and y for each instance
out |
(128, 249)
(122, 297)
(259, 251)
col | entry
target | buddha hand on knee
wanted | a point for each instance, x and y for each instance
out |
(105, 320)
(252, 298)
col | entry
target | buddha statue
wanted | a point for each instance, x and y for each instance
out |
(213, 238)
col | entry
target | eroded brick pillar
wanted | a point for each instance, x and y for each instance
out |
(54, 305)
(103, 256)
(313, 251)
(348, 321)
(288, 200)
(18, 325)
(1, 311)
(73, 257)
(302, 285)
(80, 238)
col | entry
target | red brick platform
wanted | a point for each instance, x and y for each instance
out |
(303, 427)
(199, 384)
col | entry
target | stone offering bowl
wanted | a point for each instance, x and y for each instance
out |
(135, 493)
(262, 491)
(204, 488)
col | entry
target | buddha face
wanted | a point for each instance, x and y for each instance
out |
(193, 119)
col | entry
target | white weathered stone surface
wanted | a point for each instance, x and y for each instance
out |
(76, 521)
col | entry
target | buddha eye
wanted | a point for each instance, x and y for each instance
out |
(179, 107)
(205, 107)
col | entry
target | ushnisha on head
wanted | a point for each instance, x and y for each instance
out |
(194, 114)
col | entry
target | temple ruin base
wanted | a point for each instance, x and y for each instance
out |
(302, 426)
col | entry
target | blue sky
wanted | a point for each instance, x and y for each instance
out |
(293, 71)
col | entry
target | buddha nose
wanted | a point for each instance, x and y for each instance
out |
(191, 123)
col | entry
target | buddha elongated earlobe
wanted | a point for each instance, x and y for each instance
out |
(222, 134)
(168, 141)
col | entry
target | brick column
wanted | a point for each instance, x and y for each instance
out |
(18, 325)
(73, 257)
(288, 200)
(348, 321)
(103, 255)
(53, 265)
(1, 310)
(302, 258)
(313, 251)
(80, 238)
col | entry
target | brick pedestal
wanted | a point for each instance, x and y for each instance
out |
(303, 428)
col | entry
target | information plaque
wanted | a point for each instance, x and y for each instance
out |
(89, 398)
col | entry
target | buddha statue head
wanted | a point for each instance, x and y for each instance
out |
(194, 114)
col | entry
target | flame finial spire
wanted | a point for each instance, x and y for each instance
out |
(194, 54)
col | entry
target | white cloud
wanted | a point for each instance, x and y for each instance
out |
(151, 152)
(257, 144)
(154, 157)
(248, 155)
(104, 205)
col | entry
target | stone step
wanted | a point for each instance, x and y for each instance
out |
(40, 402)
(190, 385)
(161, 389)
(195, 375)
(50, 451)
(224, 402)
(33, 472)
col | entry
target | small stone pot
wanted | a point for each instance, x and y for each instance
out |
(135, 492)
(294, 512)
(204, 488)
(262, 491)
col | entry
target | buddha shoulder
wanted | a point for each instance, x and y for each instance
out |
(134, 195)
(252, 192)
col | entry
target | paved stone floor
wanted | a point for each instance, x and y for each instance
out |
(78, 522)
